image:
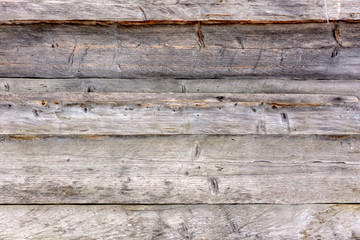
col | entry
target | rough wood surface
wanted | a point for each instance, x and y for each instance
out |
(180, 169)
(296, 222)
(190, 113)
(328, 51)
(170, 85)
(179, 10)
(64, 148)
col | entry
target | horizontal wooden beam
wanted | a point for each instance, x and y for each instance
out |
(319, 51)
(179, 10)
(180, 169)
(190, 113)
(171, 85)
(181, 222)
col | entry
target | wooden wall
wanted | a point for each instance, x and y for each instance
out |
(180, 119)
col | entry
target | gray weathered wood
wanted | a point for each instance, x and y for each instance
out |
(204, 222)
(179, 10)
(181, 51)
(170, 85)
(190, 113)
(180, 169)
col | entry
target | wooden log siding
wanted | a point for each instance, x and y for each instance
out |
(139, 114)
(15, 11)
(180, 169)
(179, 119)
(317, 51)
(203, 222)
(171, 85)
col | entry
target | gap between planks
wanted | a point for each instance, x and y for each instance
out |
(177, 204)
(172, 22)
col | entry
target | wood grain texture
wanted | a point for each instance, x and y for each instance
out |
(180, 169)
(181, 51)
(152, 113)
(296, 222)
(179, 10)
(170, 85)
(64, 147)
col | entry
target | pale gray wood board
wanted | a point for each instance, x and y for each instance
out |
(178, 113)
(180, 51)
(180, 169)
(203, 222)
(179, 10)
(170, 85)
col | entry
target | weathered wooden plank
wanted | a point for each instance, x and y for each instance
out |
(171, 85)
(181, 51)
(181, 222)
(179, 10)
(146, 113)
(180, 169)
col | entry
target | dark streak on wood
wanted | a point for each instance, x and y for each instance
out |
(7, 87)
(200, 36)
(144, 14)
(197, 151)
(285, 104)
(257, 60)
(285, 119)
(336, 33)
(71, 60)
(214, 185)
